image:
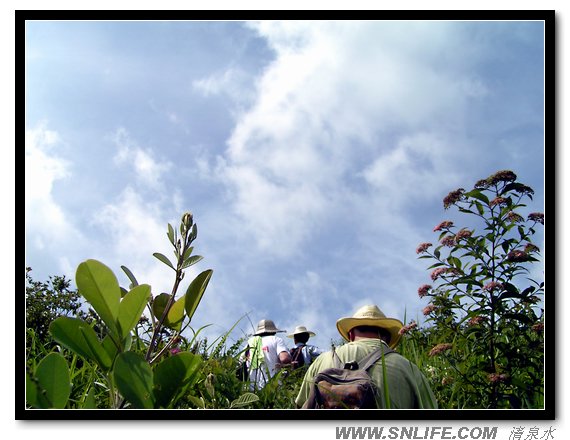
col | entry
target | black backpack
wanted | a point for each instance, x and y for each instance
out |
(297, 358)
(350, 387)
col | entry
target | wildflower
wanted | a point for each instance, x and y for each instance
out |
(513, 217)
(427, 310)
(498, 201)
(497, 378)
(407, 328)
(175, 350)
(529, 248)
(463, 233)
(493, 285)
(502, 176)
(523, 189)
(538, 327)
(437, 272)
(453, 197)
(482, 184)
(517, 256)
(422, 248)
(423, 290)
(476, 320)
(448, 240)
(439, 348)
(443, 225)
(446, 380)
(537, 217)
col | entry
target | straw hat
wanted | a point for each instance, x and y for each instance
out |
(300, 329)
(267, 326)
(371, 315)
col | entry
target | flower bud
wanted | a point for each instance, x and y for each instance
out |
(187, 220)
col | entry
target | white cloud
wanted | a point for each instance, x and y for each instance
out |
(147, 168)
(343, 101)
(46, 221)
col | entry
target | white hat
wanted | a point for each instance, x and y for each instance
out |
(267, 326)
(300, 329)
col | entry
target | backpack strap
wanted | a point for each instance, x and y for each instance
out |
(370, 359)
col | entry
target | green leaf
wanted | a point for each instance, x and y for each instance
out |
(159, 304)
(79, 337)
(174, 375)
(134, 379)
(98, 351)
(191, 260)
(176, 314)
(164, 259)
(32, 393)
(475, 193)
(98, 284)
(131, 277)
(244, 400)
(170, 234)
(89, 402)
(52, 374)
(196, 291)
(131, 308)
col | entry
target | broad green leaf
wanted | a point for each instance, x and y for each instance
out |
(244, 400)
(131, 308)
(134, 379)
(196, 290)
(164, 259)
(176, 314)
(99, 285)
(174, 375)
(52, 374)
(475, 193)
(110, 347)
(129, 274)
(97, 350)
(159, 304)
(80, 338)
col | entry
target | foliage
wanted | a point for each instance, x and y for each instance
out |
(486, 326)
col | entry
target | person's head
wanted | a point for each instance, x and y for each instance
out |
(370, 322)
(301, 334)
(266, 327)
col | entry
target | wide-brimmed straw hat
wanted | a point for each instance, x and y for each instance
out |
(300, 329)
(371, 315)
(267, 326)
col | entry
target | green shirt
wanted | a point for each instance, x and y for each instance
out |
(408, 388)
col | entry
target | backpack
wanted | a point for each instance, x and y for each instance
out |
(350, 387)
(297, 358)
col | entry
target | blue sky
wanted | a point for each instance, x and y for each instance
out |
(314, 155)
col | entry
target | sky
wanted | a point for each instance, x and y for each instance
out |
(313, 155)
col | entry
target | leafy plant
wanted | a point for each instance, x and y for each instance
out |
(486, 322)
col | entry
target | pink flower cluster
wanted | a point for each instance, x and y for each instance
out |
(476, 320)
(443, 225)
(437, 272)
(517, 256)
(407, 328)
(493, 285)
(537, 217)
(423, 290)
(513, 217)
(538, 327)
(428, 309)
(463, 233)
(453, 197)
(439, 348)
(497, 378)
(423, 248)
(448, 240)
(498, 201)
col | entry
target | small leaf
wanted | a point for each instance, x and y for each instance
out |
(170, 234)
(131, 277)
(164, 259)
(98, 284)
(176, 314)
(159, 304)
(131, 308)
(244, 400)
(52, 374)
(196, 291)
(134, 379)
(65, 331)
(191, 260)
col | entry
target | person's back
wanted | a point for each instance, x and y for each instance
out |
(406, 385)
(266, 352)
(303, 353)
(369, 330)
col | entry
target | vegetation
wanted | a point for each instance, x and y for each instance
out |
(481, 345)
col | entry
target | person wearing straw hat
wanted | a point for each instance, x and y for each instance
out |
(302, 353)
(403, 386)
(265, 353)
